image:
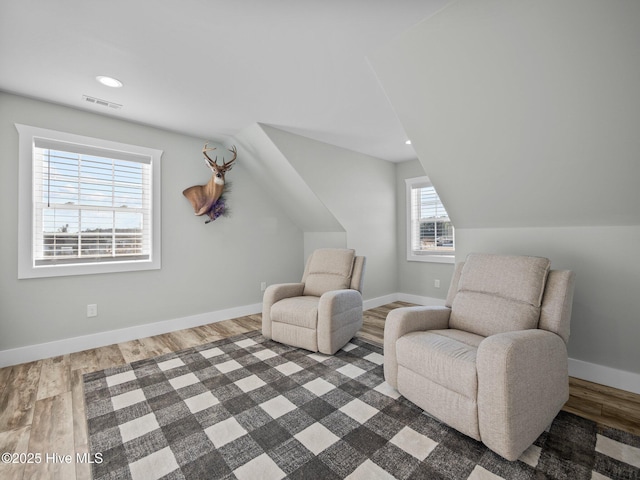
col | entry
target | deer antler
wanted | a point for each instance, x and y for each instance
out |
(225, 165)
(208, 160)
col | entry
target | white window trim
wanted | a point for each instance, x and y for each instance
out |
(26, 268)
(434, 257)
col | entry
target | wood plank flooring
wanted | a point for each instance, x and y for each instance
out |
(42, 404)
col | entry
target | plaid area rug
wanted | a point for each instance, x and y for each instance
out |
(250, 408)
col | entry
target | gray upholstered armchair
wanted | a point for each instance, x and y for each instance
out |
(324, 311)
(492, 362)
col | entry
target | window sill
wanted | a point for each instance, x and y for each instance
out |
(62, 270)
(432, 258)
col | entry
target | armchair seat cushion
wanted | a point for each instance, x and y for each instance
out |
(445, 357)
(298, 311)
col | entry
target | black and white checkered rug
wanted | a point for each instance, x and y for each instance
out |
(250, 408)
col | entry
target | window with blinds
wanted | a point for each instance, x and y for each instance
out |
(92, 205)
(430, 233)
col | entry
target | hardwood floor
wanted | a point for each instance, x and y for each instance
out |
(42, 404)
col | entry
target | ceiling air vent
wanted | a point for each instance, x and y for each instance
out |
(101, 103)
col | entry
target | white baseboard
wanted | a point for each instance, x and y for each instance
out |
(379, 301)
(428, 301)
(591, 372)
(40, 351)
(608, 376)
(401, 297)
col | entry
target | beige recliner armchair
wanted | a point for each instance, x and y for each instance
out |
(324, 311)
(491, 363)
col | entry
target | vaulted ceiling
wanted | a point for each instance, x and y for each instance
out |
(524, 114)
(210, 68)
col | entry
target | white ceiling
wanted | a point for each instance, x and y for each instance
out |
(210, 68)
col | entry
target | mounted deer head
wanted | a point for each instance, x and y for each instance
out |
(204, 198)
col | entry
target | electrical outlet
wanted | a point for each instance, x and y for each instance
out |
(436, 283)
(263, 286)
(92, 310)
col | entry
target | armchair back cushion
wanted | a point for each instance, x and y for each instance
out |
(328, 269)
(496, 294)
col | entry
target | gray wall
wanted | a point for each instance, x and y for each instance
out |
(524, 113)
(205, 268)
(273, 170)
(359, 190)
(525, 116)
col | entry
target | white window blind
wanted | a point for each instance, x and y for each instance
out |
(430, 231)
(92, 205)
(89, 205)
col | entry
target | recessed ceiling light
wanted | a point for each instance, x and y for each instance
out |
(408, 142)
(109, 81)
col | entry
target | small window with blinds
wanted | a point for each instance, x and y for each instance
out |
(430, 233)
(94, 205)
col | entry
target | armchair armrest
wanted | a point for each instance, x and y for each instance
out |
(338, 310)
(523, 382)
(273, 294)
(402, 321)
